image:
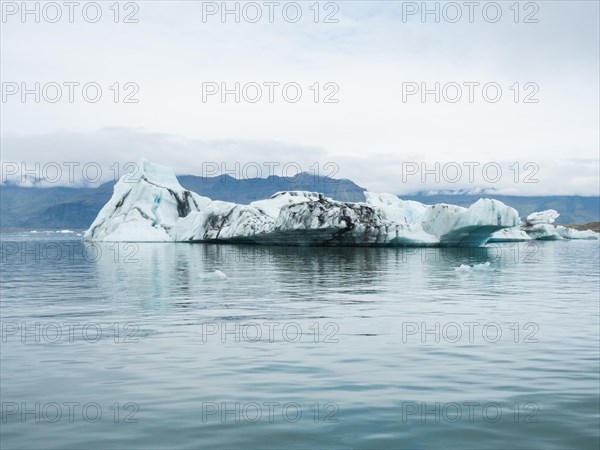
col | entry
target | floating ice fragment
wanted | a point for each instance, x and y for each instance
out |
(468, 268)
(481, 267)
(217, 275)
(540, 226)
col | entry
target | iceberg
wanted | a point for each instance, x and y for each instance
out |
(469, 226)
(153, 207)
(144, 207)
(540, 226)
(571, 233)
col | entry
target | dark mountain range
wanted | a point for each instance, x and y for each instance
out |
(65, 207)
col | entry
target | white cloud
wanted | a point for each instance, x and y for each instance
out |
(368, 54)
(112, 148)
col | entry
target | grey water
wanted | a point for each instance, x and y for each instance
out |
(145, 346)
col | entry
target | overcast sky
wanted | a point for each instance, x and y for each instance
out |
(370, 135)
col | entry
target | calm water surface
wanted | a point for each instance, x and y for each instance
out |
(143, 346)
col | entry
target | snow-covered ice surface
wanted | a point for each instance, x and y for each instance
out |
(151, 206)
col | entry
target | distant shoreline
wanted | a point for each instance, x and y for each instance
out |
(593, 226)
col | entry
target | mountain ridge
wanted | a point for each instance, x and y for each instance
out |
(76, 207)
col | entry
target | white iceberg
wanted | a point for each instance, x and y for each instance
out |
(152, 206)
(540, 226)
(469, 226)
(144, 207)
(571, 233)
(548, 216)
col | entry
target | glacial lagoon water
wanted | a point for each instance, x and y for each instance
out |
(144, 346)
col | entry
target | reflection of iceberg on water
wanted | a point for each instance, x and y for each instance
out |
(151, 206)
